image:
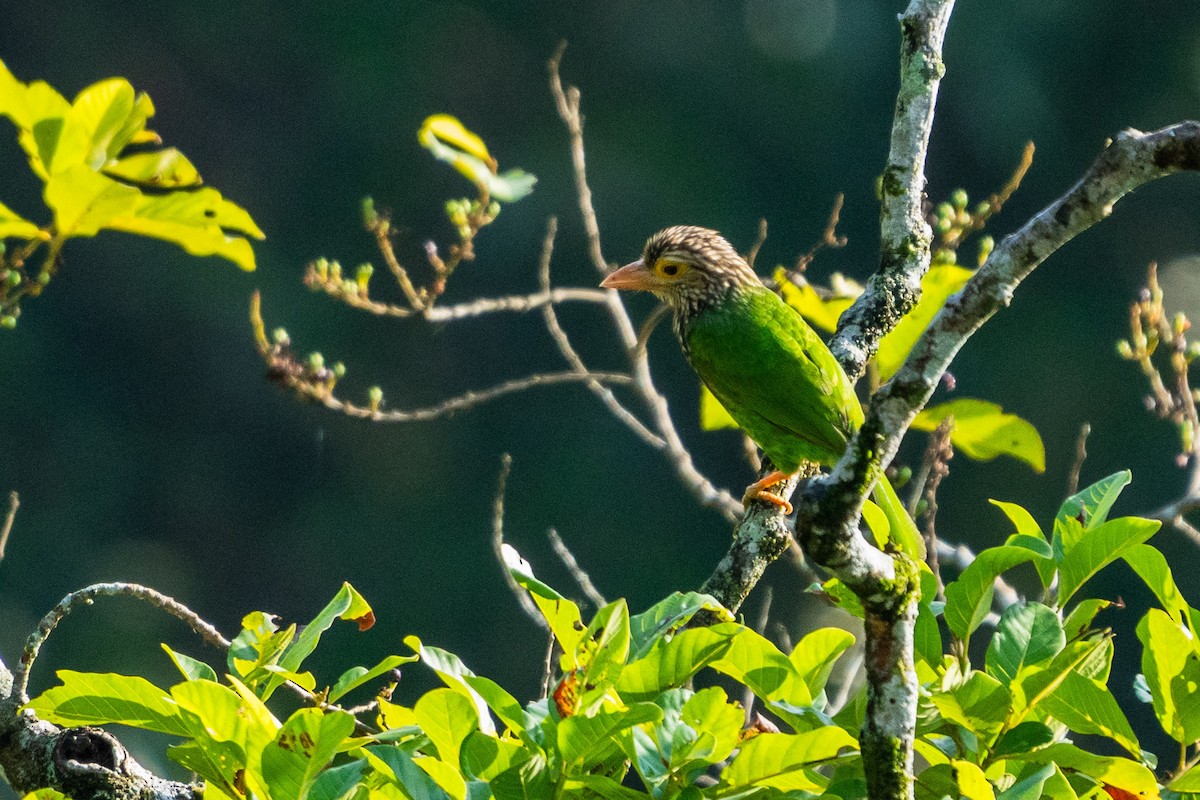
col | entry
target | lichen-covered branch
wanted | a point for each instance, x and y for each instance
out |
(904, 247)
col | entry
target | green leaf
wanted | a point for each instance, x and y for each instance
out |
(815, 655)
(226, 715)
(202, 222)
(713, 416)
(756, 662)
(1097, 548)
(356, 676)
(1029, 787)
(1094, 502)
(821, 312)
(446, 717)
(1171, 666)
(192, 669)
(87, 698)
(1085, 706)
(220, 764)
(336, 783)
(667, 616)
(1079, 621)
(971, 782)
(969, 598)
(671, 662)
(158, 169)
(1027, 634)
(709, 711)
(304, 746)
(786, 761)
(941, 281)
(484, 757)
(1151, 566)
(1022, 520)
(348, 605)
(454, 673)
(1023, 738)
(1121, 773)
(450, 141)
(981, 704)
(584, 740)
(500, 701)
(983, 431)
(45, 794)
(1188, 782)
(561, 614)
(84, 201)
(529, 780)
(603, 652)
(602, 786)
(400, 768)
(14, 226)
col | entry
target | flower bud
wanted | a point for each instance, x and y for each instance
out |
(8, 321)
(280, 337)
(959, 199)
(370, 217)
(375, 397)
(1124, 349)
(316, 361)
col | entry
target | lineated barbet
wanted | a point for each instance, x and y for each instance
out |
(760, 358)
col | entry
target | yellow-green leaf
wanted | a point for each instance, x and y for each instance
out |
(983, 431)
(787, 761)
(84, 201)
(13, 225)
(450, 141)
(200, 222)
(97, 115)
(972, 784)
(87, 698)
(158, 169)
(713, 416)
(939, 283)
(821, 312)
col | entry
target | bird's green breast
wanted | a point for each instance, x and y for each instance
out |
(774, 375)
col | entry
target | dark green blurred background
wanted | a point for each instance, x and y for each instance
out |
(147, 445)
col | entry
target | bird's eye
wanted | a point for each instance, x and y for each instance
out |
(669, 269)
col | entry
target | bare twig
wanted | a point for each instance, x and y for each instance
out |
(582, 579)
(938, 456)
(1085, 430)
(14, 502)
(548, 664)
(474, 308)
(563, 342)
(522, 596)
(829, 237)
(567, 102)
(88, 595)
(759, 240)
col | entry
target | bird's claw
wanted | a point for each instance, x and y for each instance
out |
(758, 491)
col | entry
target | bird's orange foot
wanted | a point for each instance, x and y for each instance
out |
(758, 491)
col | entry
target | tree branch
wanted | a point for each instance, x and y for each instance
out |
(904, 253)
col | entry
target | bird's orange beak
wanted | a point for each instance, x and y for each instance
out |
(631, 276)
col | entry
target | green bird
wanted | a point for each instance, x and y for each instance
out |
(759, 357)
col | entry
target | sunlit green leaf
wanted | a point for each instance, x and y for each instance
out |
(158, 169)
(821, 312)
(446, 717)
(815, 655)
(671, 662)
(484, 757)
(713, 416)
(1151, 565)
(1021, 519)
(981, 704)
(1029, 787)
(450, 141)
(1079, 621)
(1122, 773)
(941, 281)
(756, 662)
(84, 202)
(97, 116)
(192, 669)
(1084, 704)
(13, 225)
(709, 711)
(982, 431)
(603, 652)
(454, 673)
(1028, 633)
(583, 739)
(1094, 502)
(969, 598)
(668, 615)
(1097, 548)
(972, 783)
(1171, 665)
(401, 769)
(87, 698)
(357, 676)
(787, 761)
(304, 746)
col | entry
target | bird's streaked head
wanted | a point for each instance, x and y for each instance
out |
(687, 267)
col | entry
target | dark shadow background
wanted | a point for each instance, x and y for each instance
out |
(146, 444)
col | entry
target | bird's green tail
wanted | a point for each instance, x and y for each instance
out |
(903, 531)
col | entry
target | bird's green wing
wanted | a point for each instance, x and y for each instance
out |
(775, 377)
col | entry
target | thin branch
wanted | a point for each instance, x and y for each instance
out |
(87, 596)
(522, 596)
(582, 579)
(938, 456)
(14, 502)
(574, 360)
(829, 236)
(567, 102)
(474, 308)
(759, 240)
(1085, 430)
(548, 663)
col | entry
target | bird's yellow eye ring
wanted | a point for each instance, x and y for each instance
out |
(669, 269)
